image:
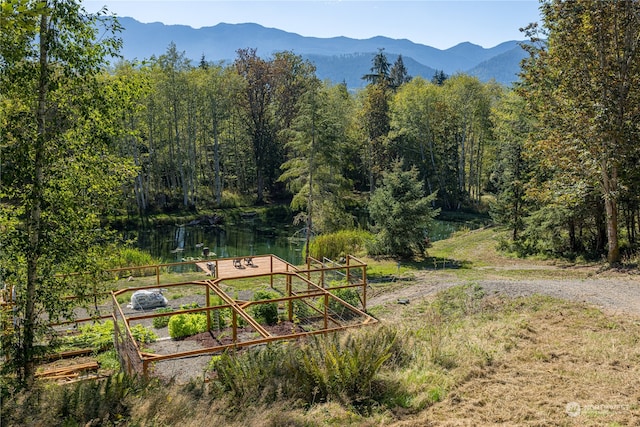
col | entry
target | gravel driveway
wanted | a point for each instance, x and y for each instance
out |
(619, 294)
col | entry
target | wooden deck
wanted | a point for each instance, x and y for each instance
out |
(233, 268)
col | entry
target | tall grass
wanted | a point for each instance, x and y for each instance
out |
(341, 243)
(130, 257)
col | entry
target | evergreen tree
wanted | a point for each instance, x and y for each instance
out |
(439, 77)
(398, 75)
(511, 172)
(379, 69)
(401, 213)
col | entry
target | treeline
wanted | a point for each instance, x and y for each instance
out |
(555, 157)
(203, 134)
(199, 133)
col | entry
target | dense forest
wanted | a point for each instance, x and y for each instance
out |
(554, 158)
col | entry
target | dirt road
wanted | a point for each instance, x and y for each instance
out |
(616, 293)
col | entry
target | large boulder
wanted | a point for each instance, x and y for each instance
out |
(148, 299)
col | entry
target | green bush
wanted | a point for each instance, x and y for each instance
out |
(142, 334)
(132, 257)
(349, 295)
(189, 306)
(341, 243)
(266, 313)
(235, 200)
(161, 322)
(184, 325)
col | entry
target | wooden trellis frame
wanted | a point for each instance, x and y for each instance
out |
(299, 286)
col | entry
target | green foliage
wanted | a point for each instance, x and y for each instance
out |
(222, 317)
(401, 214)
(342, 368)
(340, 243)
(142, 334)
(345, 370)
(586, 130)
(266, 313)
(161, 322)
(235, 200)
(301, 310)
(108, 360)
(74, 404)
(349, 295)
(512, 168)
(121, 257)
(98, 336)
(184, 325)
(318, 138)
(57, 126)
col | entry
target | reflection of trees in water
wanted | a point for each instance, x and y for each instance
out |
(246, 238)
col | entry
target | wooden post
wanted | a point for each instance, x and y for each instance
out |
(290, 302)
(364, 288)
(157, 275)
(234, 325)
(348, 270)
(326, 310)
(271, 271)
(208, 302)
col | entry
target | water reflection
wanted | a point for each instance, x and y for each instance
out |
(249, 237)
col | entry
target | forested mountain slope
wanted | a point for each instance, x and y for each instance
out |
(335, 57)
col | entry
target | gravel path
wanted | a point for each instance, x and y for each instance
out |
(616, 295)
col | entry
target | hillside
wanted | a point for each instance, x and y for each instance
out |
(338, 59)
(495, 341)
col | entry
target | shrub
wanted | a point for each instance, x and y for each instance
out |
(184, 325)
(266, 313)
(235, 200)
(349, 295)
(98, 336)
(142, 334)
(324, 368)
(132, 257)
(341, 243)
(161, 322)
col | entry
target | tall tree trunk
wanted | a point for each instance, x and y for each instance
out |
(35, 211)
(216, 162)
(610, 185)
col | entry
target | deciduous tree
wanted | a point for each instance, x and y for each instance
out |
(57, 168)
(585, 85)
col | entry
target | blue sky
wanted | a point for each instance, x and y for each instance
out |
(436, 23)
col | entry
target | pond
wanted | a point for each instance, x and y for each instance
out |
(248, 236)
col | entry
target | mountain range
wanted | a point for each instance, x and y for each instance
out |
(337, 59)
